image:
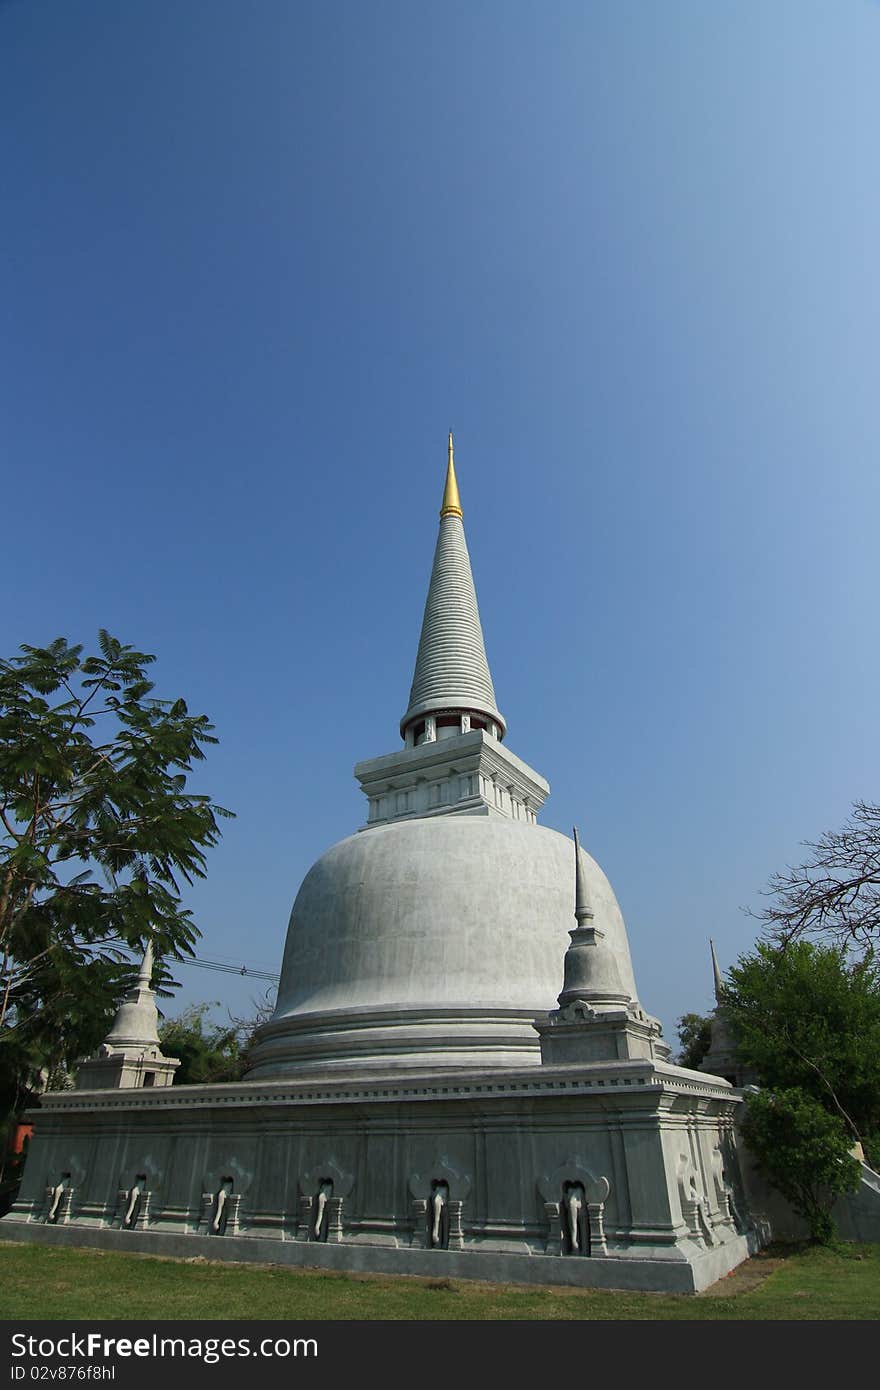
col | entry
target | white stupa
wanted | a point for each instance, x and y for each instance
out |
(435, 936)
(458, 1077)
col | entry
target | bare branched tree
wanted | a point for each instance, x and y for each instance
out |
(835, 894)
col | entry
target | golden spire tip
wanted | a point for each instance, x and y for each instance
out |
(451, 500)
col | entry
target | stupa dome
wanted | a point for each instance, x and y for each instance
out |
(431, 942)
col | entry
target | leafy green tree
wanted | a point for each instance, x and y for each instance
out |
(806, 1018)
(208, 1052)
(804, 1151)
(97, 836)
(695, 1036)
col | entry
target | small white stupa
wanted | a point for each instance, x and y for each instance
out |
(131, 1055)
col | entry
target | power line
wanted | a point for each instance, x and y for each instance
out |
(223, 969)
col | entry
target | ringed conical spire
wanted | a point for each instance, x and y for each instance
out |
(452, 676)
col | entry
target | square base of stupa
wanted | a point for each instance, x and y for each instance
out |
(606, 1175)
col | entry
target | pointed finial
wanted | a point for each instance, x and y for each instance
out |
(145, 974)
(451, 500)
(582, 909)
(719, 983)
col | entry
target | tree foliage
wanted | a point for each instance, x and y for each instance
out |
(207, 1052)
(806, 1018)
(98, 834)
(804, 1151)
(210, 1052)
(835, 893)
(695, 1036)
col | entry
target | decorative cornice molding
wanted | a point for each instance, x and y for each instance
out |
(634, 1077)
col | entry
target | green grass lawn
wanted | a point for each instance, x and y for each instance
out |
(40, 1282)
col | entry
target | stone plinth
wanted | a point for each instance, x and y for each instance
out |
(125, 1069)
(638, 1143)
(467, 774)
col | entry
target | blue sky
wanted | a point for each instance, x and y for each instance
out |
(259, 257)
